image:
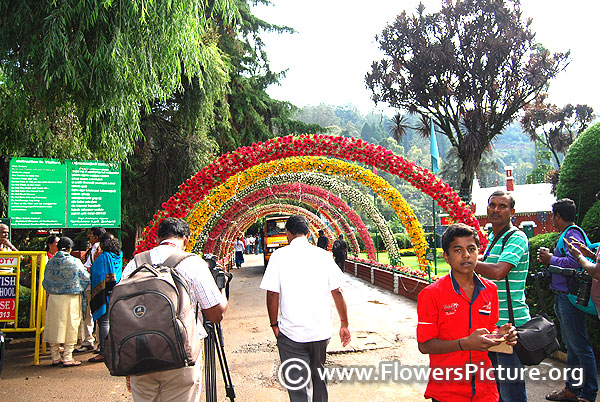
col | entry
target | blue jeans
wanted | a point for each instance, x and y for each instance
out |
(512, 388)
(103, 327)
(573, 330)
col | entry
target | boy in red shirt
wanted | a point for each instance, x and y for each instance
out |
(457, 324)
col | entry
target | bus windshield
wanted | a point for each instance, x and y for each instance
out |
(275, 227)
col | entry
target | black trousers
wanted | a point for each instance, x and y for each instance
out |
(313, 354)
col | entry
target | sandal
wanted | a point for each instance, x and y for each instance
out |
(562, 395)
(71, 363)
(96, 359)
(57, 363)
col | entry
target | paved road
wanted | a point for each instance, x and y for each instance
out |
(382, 325)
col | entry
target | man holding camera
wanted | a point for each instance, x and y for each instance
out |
(572, 320)
(182, 384)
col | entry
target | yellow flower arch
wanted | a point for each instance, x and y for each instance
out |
(205, 208)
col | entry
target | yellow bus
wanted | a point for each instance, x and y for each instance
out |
(275, 237)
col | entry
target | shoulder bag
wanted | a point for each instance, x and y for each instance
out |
(537, 337)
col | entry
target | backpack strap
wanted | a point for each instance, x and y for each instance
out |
(174, 259)
(560, 243)
(143, 260)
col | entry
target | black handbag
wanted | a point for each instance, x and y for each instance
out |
(537, 337)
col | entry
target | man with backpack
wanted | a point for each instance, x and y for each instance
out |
(506, 262)
(184, 383)
(572, 320)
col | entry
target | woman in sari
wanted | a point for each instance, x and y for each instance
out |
(65, 280)
(106, 273)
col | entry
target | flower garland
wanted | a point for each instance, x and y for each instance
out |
(307, 182)
(351, 149)
(209, 205)
(296, 191)
(229, 220)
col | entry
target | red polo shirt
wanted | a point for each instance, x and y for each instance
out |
(446, 313)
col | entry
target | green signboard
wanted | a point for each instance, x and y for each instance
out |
(37, 193)
(94, 195)
(45, 193)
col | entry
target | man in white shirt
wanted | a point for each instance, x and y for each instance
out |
(182, 384)
(302, 278)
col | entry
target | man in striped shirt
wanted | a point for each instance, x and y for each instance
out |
(507, 256)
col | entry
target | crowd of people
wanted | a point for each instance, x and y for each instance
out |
(466, 315)
(78, 295)
(463, 317)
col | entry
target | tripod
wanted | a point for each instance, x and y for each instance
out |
(213, 343)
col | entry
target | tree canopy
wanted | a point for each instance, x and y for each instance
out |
(471, 67)
(555, 127)
(74, 75)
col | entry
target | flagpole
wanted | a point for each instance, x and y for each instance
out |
(434, 238)
(435, 158)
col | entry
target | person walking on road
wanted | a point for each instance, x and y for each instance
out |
(239, 252)
(323, 241)
(181, 384)
(340, 251)
(300, 280)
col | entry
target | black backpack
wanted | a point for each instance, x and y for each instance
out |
(153, 324)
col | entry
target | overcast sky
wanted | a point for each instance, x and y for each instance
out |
(334, 47)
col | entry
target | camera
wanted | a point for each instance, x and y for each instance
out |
(581, 283)
(221, 277)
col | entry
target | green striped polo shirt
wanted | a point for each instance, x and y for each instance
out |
(516, 253)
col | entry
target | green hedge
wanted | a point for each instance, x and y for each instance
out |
(402, 240)
(548, 240)
(591, 222)
(578, 178)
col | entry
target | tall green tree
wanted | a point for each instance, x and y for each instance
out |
(74, 75)
(188, 130)
(471, 66)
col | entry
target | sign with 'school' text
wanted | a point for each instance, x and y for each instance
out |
(8, 297)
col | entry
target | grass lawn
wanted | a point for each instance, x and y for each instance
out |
(411, 262)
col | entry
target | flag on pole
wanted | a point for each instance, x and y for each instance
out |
(435, 156)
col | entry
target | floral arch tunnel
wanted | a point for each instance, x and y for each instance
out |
(293, 173)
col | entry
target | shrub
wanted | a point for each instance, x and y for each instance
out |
(578, 174)
(402, 240)
(591, 222)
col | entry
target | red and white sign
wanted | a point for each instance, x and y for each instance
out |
(8, 261)
(8, 297)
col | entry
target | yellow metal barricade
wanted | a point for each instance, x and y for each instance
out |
(10, 277)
